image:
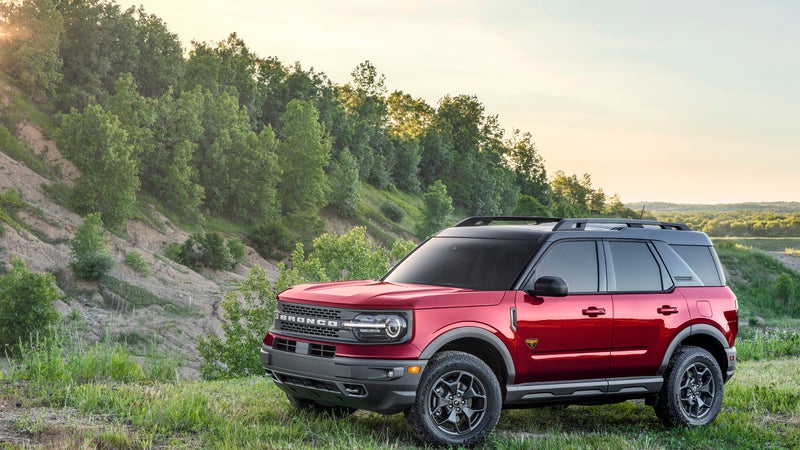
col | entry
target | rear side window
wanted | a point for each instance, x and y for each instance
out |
(633, 268)
(702, 261)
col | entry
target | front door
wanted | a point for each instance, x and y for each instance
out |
(565, 338)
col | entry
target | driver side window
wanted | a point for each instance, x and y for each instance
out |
(573, 261)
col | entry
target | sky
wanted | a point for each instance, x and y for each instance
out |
(681, 101)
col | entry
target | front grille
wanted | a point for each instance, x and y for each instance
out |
(312, 311)
(285, 345)
(309, 330)
(324, 351)
(302, 348)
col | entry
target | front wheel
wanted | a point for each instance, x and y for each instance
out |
(458, 401)
(693, 389)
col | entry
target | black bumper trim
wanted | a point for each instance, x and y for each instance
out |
(379, 385)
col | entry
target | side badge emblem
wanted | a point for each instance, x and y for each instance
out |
(531, 343)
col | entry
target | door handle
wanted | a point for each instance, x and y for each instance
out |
(593, 311)
(667, 310)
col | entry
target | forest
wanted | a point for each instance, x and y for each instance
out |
(216, 130)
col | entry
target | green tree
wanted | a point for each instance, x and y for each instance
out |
(436, 211)
(784, 288)
(97, 144)
(160, 65)
(90, 258)
(248, 313)
(345, 185)
(99, 43)
(528, 166)
(237, 168)
(25, 304)
(302, 155)
(168, 172)
(32, 39)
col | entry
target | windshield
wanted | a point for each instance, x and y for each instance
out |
(470, 263)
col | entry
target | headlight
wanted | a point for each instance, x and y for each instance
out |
(378, 327)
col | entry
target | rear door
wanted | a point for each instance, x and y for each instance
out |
(566, 338)
(648, 311)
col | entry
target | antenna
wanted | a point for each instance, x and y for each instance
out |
(641, 215)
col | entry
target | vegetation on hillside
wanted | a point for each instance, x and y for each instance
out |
(229, 133)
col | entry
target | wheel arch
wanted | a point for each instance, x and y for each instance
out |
(699, 335)
(480, 343)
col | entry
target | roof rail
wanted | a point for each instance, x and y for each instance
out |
(580, 224)
(486, 220)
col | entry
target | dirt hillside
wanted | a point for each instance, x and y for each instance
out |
(44, 246)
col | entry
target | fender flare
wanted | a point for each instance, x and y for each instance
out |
(472, 332)
(692, 330)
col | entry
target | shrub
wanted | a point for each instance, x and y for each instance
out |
(174, 252)
(266, 238)
(90, 249)
(392, 211)
(93, 266)
(784, 288)
(237, 250)
(25, 304)
(135, 261)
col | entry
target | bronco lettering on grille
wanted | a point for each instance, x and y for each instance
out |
(307, 320)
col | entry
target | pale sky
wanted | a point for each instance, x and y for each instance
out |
(682, 101)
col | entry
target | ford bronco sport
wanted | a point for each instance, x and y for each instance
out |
(513, 312)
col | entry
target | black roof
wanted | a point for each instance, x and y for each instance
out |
(549, 228)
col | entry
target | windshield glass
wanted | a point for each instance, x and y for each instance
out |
(470, 263)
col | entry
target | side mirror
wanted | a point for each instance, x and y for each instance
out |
(549, 287)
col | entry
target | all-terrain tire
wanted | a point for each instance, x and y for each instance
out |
(458, 401)
(692, 391)
(304, 404)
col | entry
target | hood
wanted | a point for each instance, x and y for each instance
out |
(371, 294)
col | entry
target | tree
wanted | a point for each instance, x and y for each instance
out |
(99, 43)
(247, 311)
(32, 39)
(784, 288)
(528, 167)
(345, 186)
(160, 65)
(90, 258)
(436, 211)
(302, 155)
(236, 167)
(97, 144)
(25, 304)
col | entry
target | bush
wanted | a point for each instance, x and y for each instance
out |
(90, 249)
(135, 261)
(93, 266)
(25, 304)
(267, 238)
(207, 250)
(392, 211)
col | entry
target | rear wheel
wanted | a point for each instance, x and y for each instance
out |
(314, 407)
(693, 389)
(458, 401)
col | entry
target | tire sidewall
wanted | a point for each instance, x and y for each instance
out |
(419, 418)
(669, 409)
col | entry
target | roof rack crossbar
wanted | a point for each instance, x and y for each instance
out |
(580, 224)
(486, 220)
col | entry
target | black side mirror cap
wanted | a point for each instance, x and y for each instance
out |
(549, 287)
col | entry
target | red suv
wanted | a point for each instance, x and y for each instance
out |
(511, 312)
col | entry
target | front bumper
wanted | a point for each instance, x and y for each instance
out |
(382, 386)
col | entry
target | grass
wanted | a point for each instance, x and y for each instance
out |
(129, 405)
(752, 278)
(140, 297)
(781, 244)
